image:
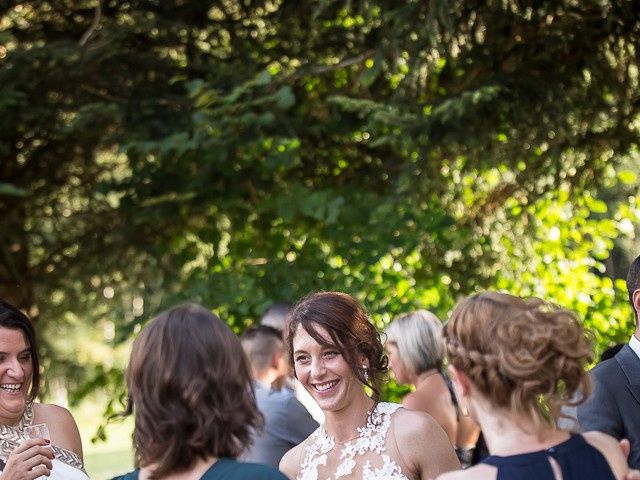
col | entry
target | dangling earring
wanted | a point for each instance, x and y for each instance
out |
(365, 373)
(464, 409)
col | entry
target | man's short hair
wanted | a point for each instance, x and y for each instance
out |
(633, 280)
(260, 343)
(277, 315)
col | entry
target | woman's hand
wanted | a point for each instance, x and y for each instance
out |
(30, 460)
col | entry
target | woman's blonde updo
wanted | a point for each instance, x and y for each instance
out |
(524, 355)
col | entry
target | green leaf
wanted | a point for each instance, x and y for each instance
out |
(285, 98)
(596, 205)
(627, 177)
(11, 190)
(263, 78)
(369, 75)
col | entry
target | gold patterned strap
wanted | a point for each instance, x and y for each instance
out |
(11, 437)
(70, 458)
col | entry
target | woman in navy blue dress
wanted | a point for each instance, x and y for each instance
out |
(515, 362)
(191, 394)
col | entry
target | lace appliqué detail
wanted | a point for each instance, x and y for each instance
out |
(371, 438)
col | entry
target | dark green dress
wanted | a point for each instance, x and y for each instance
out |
(229, 469)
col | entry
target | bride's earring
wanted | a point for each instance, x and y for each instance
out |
(464, 409)
(365, 373)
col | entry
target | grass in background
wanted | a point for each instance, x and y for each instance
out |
(104, 459)
(103, 465)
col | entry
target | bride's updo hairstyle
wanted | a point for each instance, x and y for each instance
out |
(527, 356)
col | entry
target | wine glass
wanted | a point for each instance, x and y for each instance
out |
(39, 430)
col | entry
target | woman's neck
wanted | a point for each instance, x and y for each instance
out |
(510, 434)
(343, 424)
(425, 376)
(11, 419)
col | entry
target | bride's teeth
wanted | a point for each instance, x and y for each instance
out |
(325, 386)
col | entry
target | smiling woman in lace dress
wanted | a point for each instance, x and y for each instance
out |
(336, 352)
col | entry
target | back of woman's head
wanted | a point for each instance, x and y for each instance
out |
(12, 317)
(190, 391)
(524, 355)
(418, 338)
(349, 329)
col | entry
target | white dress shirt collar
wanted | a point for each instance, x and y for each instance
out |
(634, 343)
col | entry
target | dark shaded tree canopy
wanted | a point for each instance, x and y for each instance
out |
(241, 152)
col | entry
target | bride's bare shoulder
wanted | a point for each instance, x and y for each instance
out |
(479, 472)
(291, 461)
(415, 421)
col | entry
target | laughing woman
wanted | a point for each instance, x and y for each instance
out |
(22, 457)
(336, 352)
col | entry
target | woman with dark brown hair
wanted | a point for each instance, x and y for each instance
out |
(22, 456)
(192, 398)
(515, 362)
(337, 356)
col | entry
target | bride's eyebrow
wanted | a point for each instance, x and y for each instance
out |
(330, 347)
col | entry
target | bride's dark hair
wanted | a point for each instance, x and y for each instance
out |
(350, 330)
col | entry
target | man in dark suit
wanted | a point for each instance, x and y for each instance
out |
(614, 405)
(287, 421)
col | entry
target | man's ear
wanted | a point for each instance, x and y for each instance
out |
(635, 297)
(276, 358)
(462, 381)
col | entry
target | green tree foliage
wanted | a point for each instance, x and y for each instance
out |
(241, 152)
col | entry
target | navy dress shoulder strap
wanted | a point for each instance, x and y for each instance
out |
(577, 460)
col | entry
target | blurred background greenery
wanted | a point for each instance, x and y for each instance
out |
(240, 152)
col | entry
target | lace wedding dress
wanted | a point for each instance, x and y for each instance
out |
(366, 456)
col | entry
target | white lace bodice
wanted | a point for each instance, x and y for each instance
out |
(366, 454)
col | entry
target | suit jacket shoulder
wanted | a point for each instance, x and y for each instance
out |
(614, 403)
